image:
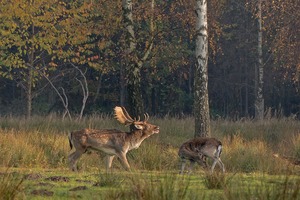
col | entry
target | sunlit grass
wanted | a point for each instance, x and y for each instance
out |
(161, 185)
(248, 146)
(11, 185)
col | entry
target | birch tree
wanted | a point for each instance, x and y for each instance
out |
(259, 101)
(201, 107)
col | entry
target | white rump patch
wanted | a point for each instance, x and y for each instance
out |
(219, 150)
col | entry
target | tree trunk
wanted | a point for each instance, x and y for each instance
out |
(201, 107)
(135, 99)
(29, 94)
(30, 80)
(122, 85)
(259, 102)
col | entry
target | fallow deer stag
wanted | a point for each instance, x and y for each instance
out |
(111, 141)
(198, 149)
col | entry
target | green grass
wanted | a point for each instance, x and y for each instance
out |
(11, 185)
(94, 184)
(40, 147)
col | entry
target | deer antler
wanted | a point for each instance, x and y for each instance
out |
(122, 115)
(127, 115)
(146, 117)
(137, 120)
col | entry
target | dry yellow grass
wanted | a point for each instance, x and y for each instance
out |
(248, 146)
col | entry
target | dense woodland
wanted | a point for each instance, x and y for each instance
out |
(71, 57)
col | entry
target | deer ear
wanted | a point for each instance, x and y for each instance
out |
(140, 127)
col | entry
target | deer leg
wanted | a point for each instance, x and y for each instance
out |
(124, 162)
(214, 164)
(205, 162)
(183, 163)
(73, 158)
(220, 163)
(109, 160)
(192, 164)
(201, 160)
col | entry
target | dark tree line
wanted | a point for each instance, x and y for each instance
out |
(96, 44)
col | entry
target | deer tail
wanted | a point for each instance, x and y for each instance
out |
(219, 150)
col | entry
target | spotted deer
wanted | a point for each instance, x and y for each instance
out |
(112, 142)
(197, 150)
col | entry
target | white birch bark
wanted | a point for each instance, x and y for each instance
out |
(201, 108)
(259, 102)
(127, 9)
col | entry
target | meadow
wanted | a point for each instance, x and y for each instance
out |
(261, 160)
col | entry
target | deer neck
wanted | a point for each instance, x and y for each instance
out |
(135, 138)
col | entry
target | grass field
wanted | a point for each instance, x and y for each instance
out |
(33, 162)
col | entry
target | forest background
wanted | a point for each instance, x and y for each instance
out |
(69, 57)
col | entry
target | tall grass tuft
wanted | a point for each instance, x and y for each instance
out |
(241, 155)
(144, 187)
(284, 188)
(109, 180)
(296, 147)
(154, 156)
(21, 149)
(215, 180)
(174, 131)
(10, 185)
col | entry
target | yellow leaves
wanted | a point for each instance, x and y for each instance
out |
(75, 60)
(14, 61)
(94, 65)
(102, 44)
(52, 64)
(4, 33)
(58, 28)
(62, 3)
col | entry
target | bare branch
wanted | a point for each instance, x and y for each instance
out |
(64, 99)
(85, 90)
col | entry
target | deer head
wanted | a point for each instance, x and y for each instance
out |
(123, 117)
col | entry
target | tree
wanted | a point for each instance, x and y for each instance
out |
(259, 102)
(201, 107)
(33, 34)
(135, 60)
(133, 68)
